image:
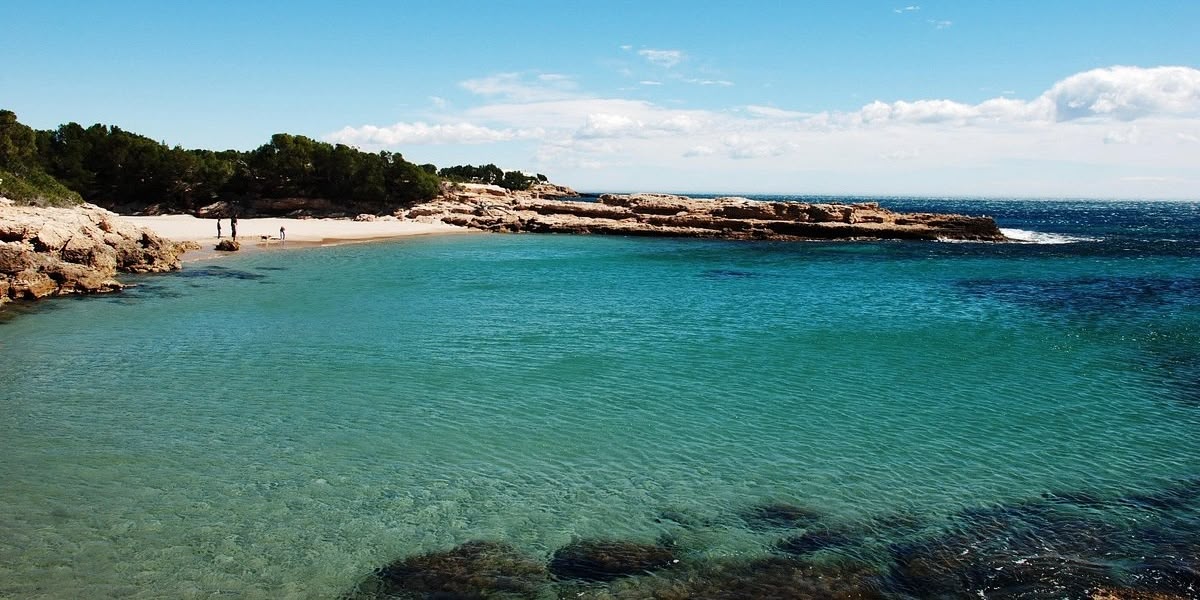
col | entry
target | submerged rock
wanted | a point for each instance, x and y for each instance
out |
(603, 560)
(779, 515)
(816, 540)
(478, 569)
(57, 251)
(1127, 594)
(1028, 550)
(776, 578)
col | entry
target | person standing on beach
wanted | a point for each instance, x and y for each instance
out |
(233, 226)
(282, 234)
(218, 229)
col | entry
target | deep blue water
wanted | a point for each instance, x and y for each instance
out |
(280, 424)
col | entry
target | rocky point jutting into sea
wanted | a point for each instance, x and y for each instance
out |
(543, 210)
(59, 251)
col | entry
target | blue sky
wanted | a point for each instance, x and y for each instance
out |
(980, 98)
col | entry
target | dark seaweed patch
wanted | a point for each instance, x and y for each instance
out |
(271, 268)
(1082, 499)
(477, 569)
(779, 515)
(136, 293)
(604, 560)
(1089, 295)
(1182, 494)
(1181, 371)
(818, 539)
(778, 578)
(728, 274)
(1064, 544)
(218, 272)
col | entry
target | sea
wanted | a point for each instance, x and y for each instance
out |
(889, 419)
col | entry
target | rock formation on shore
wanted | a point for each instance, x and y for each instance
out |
(664, 215)
(57, 251)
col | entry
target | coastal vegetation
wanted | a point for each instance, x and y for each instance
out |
(21, 175)
(492, 175)
(127, 172)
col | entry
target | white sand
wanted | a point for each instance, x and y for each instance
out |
(185, 228)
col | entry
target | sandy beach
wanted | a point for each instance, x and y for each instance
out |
(254, 232)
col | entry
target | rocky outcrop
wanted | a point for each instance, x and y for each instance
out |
(58, 251)
(604, 560)
(680, 216)
(479, 569)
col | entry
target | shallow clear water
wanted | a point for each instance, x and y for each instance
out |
(279, 424)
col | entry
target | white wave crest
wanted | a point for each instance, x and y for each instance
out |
(1039, 237)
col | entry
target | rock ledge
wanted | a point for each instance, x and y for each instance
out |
(668, 215)
(58, 251)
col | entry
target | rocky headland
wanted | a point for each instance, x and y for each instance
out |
(59, 251)
(491, 208)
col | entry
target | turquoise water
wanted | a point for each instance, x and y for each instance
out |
(279, 424)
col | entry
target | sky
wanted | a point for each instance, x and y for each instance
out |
(980, 98)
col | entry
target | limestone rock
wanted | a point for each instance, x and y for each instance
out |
(667, 215)
(219, 210)
(56, 251)
(228, 246)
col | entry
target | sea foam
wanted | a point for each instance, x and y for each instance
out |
(1040, 237)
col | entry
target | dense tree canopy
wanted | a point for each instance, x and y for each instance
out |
(22, 177)
(492, 175)
(129, 172)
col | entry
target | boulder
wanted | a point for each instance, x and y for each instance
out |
(56, 251)
(228, 246)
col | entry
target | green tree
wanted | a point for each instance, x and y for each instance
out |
(18, 144)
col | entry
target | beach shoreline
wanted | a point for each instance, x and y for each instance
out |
(260, 234)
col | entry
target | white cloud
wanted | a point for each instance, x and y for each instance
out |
(566, 115)
(1117, 122)
(1124, 136)
(747, 147)
(650, 82)
(1127, 93)
(681, 123)
(720, 82)
(662, 58)
(516, 87)
(1115, 93)
(604, 125)
(941, 24)
(1150, 179)
(438, 102)
(905, 154)
(424, 133)
(909, 8)
(770, 112)
(695, 151)
(663, 122)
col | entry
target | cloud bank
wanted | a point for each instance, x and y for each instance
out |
(1118, 119)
